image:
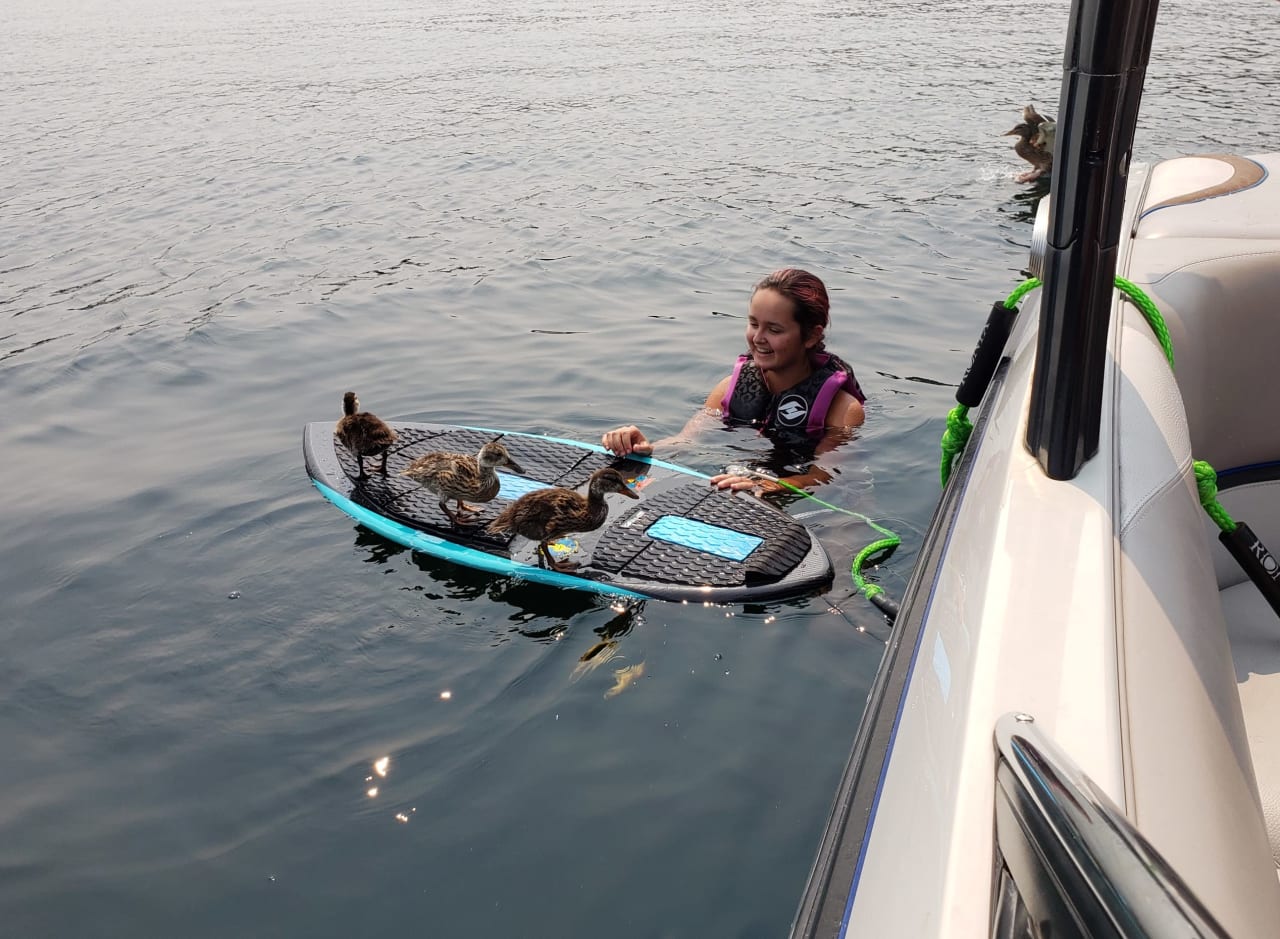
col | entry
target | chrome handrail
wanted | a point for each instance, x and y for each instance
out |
(1077, 862)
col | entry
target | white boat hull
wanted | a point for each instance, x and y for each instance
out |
(1096, 605)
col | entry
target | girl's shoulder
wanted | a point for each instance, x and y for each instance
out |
(832, 361)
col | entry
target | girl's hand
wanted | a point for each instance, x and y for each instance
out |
(622, 441)
(739, 483)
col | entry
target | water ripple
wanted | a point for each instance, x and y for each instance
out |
(216, 218)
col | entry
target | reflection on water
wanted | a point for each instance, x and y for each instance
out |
(218, 217)
(1024, 203)
(373, 548)
(624, 678)
(611, 633)
(603, 651)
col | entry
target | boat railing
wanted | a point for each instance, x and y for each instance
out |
(1069, 863)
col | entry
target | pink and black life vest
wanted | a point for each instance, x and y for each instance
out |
(801, 409)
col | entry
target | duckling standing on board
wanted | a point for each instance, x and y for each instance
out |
(363, 433)
(1035, 143)
(547, 514)
(459, 477)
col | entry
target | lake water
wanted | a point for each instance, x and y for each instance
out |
(216, 218)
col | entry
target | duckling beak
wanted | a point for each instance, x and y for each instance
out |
(629, 492)
(514, 465)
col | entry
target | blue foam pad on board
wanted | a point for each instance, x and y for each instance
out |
(710, 539)
(513, 487)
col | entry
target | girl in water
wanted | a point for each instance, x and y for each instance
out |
(786, 384)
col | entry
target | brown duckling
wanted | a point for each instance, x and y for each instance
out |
(547, 514)
(458, 476)
(1035, 143)
(1045, 136)
(363, 433)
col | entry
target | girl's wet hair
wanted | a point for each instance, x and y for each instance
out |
(808, 296)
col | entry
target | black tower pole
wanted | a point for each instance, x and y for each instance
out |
(1109, 43)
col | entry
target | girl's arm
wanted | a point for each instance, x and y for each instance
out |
(631, 439)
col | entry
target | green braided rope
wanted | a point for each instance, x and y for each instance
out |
(860, 560)
(1153, 317)
(1207, 487)
(890, 540)
(1020, 291)
(959, 428)
(1206, 475)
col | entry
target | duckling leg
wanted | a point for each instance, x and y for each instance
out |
(384, 461)
(466, 514)
(458, 518)
(360, 463)
(444, 507)
(544, 555)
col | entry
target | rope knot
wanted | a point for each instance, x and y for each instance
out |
(954, 437)
(1206, 482)
(1207, 487)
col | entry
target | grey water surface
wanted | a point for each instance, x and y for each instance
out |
(225, 709)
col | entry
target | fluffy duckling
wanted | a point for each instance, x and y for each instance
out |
(547, 514)
(459, 477)
(1032, 116)
(1035, 143)
(1045, 135)
(363, 433)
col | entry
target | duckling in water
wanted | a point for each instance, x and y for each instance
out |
(458, 476)
(1035, 143)
(363, 433)
(547, 514)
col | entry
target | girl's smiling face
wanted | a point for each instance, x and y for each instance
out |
(774, 337)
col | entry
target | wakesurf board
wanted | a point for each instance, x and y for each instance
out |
(682, 540)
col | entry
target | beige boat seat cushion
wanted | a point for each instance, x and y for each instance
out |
(1223, 315)
(1220, 297)
(1254, 629)
(1182, 717)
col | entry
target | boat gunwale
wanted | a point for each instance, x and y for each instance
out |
(856, 797)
